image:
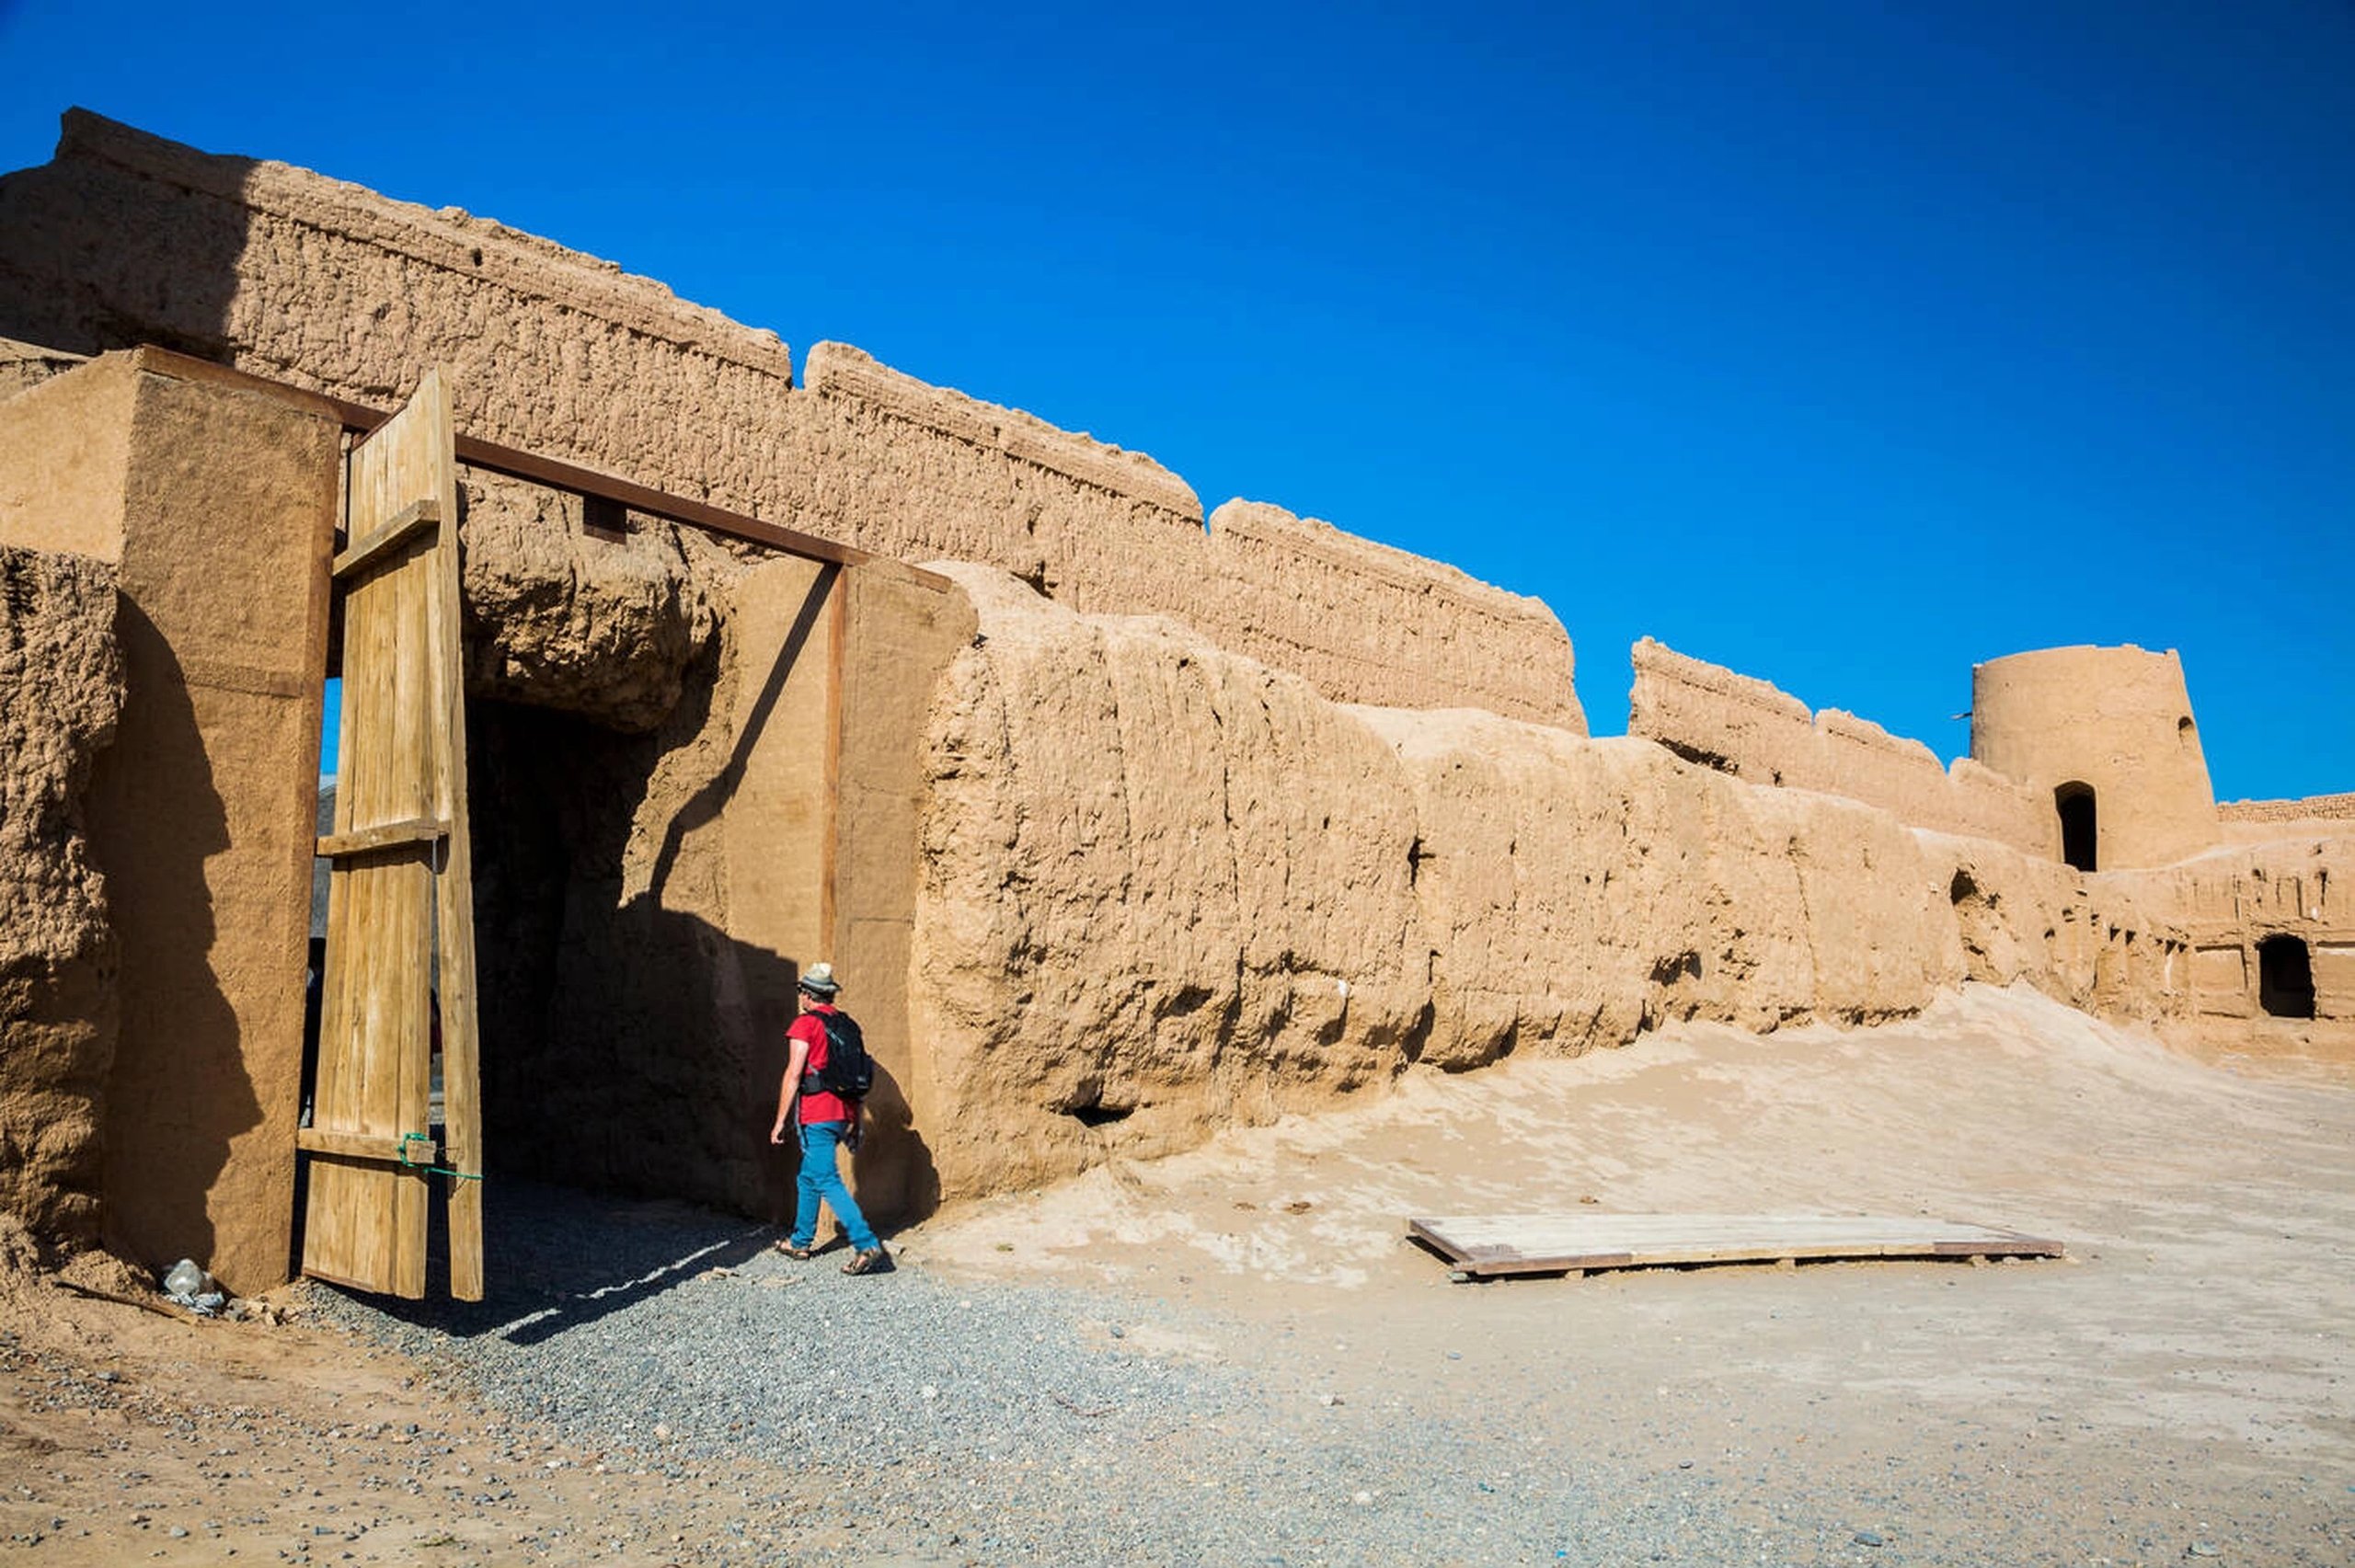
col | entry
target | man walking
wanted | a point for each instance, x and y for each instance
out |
(824, 1122)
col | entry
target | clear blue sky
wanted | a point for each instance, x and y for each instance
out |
(1843, 343)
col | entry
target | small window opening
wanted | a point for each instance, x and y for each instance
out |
(601, 517)
(2285, 977)
(2076, 804)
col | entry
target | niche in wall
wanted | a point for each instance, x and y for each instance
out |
(2285, 977)
(2076, 804)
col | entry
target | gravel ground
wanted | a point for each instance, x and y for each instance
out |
(991, 1421)
(946, 1422)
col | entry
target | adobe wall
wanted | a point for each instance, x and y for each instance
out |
(1754, 731)
(61, 695)
(126, 238)
(2233, 899)
(2117, 719)
(899, 633)
(2261, 821)
(200, 817)
(921, 473)
(29, 364)
(1167, 887)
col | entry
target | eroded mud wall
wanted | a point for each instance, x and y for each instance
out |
(214, 503)
(2297, 888)
(921, 472)
(2257, 821)
(1166, 889)
(61, 692)
(1747, 728)
(1162, 887)
(126, 238)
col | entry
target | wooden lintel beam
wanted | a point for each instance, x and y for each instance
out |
(360, 417)
(571, 476)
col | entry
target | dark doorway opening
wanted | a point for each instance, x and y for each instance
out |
(2076, 804)
(2285, 977)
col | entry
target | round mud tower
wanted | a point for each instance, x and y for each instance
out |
(2110, 732)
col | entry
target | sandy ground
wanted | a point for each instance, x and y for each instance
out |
(2182, 1386)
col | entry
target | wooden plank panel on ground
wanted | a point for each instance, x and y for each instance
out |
(1477, 1246)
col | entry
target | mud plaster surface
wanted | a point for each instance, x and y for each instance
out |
(2186, 1378)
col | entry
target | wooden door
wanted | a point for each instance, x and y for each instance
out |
(400, 967)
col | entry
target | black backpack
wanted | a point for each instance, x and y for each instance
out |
(849, 1070)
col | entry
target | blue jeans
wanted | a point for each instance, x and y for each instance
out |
(820, 1178)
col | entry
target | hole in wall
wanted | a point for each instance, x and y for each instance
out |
(601, 517)
(2079, 831)
(2285, 977)
(1706, 758)
(1671, 969)
(1097, 1114)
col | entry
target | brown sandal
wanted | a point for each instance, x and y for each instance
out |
(875, 1259)
(800, 1254)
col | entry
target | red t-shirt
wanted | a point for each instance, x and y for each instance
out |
(817, 1106)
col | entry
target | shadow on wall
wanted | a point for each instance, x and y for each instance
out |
(67, 258)
(179, 1092)
(709, 801)
(630, 1044)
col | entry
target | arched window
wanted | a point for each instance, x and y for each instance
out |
(2285, 977)
(2076, 804)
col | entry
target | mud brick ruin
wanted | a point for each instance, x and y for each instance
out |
(1123, 822)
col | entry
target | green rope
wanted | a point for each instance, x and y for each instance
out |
(427, 1140)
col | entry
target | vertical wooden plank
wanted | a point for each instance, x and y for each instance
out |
(455, 905)
(401, 1077)
(837, 660)
(365, 1225)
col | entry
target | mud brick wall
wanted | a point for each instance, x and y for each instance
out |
(1750, 728)
(2314, 808)
(1166, 888)
(61, 695)
(126, 238)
